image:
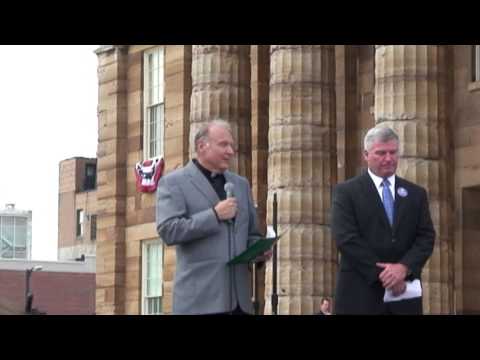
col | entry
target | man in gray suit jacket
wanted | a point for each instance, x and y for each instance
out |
(208, 228)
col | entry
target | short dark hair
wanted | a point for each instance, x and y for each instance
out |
(325, 299)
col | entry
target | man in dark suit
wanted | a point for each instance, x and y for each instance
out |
(383, 230)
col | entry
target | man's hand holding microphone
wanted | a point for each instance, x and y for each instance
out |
(226, 209)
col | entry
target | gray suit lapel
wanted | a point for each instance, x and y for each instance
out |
(201, 183)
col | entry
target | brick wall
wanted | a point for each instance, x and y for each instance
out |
(56, 293)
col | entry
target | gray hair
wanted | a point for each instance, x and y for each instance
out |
(202, 132)
(378, 134)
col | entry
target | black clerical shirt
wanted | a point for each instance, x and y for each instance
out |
(217, 180)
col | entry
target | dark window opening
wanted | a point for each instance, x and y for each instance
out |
(90, 177)
(93, 227)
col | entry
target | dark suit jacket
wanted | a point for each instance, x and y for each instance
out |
(364, 237)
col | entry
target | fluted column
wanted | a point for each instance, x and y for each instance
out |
(111, 191)
(410, 97)
(221, 89)
(301, 170)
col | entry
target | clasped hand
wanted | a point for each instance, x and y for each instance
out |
(393, 277)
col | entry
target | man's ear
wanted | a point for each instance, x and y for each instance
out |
(202, 145)
(365, 155)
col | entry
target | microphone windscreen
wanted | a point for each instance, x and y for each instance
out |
(229, 189)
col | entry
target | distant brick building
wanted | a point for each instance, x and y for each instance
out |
(60, 288)
(299, 114)
(77, 208)
(10, 308)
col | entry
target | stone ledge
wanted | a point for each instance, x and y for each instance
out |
(474, 86)
(106, 48)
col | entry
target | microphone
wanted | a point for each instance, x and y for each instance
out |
(229, 191)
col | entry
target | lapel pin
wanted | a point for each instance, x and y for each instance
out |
(402, 192)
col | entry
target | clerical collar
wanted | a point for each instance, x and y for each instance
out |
(209, 174)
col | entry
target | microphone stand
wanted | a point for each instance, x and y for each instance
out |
(274, 259)
(255, 268)
(254, 284)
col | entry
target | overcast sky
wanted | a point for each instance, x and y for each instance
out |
(48, 112)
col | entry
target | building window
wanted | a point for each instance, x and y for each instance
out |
(93, 227)
(154, 107)
(80, 217)
(152, 277)
(475, 63)
(7, 237)
(15, 235)
(90, 177)
(20, 238)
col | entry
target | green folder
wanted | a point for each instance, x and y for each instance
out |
(254, 250)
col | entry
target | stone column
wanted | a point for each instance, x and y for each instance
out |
(301, 170)
(410, 97)
(221, 89)
(178, 62)
(111, 180)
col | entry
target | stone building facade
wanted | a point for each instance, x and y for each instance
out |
(299, 114)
